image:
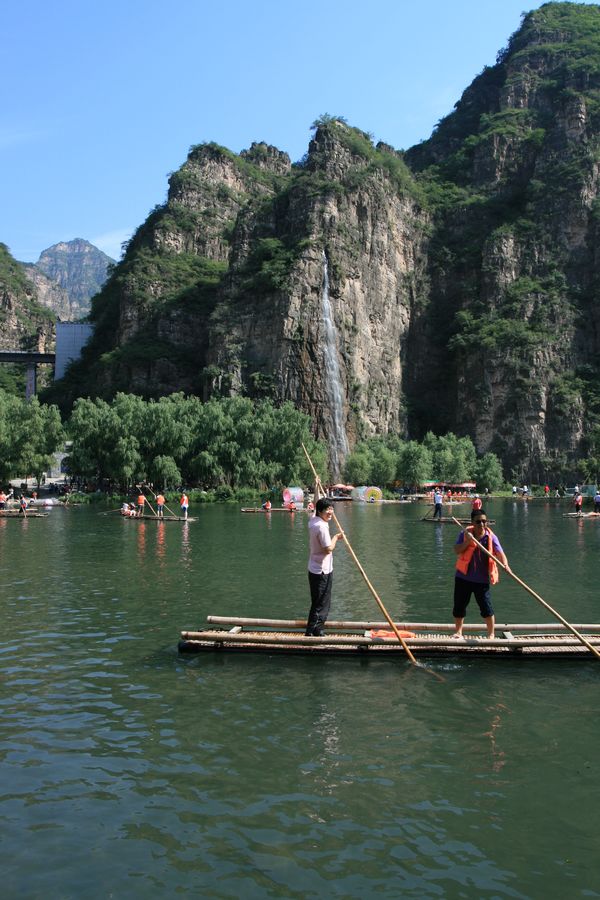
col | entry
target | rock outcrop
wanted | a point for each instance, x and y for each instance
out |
(24, 324)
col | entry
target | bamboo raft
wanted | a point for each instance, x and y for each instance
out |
(448, 520)
(159, 518)
(17, 514)
(431, 639)
(581, 515)
(259, 509)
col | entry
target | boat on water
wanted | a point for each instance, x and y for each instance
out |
(581, 515)
(259, 509)
(17, 514)
(448, 520)
(428, 639)
(137, 518)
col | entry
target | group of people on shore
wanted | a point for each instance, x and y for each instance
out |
(475, 572)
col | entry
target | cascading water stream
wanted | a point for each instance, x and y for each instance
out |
(333, 382)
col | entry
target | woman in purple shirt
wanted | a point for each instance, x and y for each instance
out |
(474, 576)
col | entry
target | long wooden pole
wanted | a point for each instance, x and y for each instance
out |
(388, 618)
(529, 590)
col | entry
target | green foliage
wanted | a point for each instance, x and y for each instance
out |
(226, 443)
(415, 464)
(487, 473)
(268, 267)
(30, 434)
(446, 458)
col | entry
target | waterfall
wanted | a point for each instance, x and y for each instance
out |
(333, 382)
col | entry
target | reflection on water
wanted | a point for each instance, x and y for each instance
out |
(131, 771)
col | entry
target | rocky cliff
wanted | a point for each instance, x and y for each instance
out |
(24, 324)
(451, 287)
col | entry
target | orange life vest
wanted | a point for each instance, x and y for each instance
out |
(141, 500)
(463, 560)
(160, 500)
(381, 633)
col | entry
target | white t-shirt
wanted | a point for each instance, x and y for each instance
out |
(320, 562)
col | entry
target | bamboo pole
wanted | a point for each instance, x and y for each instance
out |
(360, 568)
(541, 600)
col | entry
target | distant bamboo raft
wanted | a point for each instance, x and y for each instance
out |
(144, 518)
(259, 509)
(448, 520)
(17, 514)
(432, 639)
(581, 515)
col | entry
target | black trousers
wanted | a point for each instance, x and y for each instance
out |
(320, 596)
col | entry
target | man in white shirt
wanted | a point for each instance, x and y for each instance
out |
(320, 566)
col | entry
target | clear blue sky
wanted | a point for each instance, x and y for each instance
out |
(101, 100)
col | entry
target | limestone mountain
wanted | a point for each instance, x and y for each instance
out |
(67, 275)
(451, 287)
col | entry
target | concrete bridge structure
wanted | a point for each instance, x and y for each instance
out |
(32, 359)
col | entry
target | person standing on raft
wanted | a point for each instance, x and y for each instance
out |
(320, 566)
(184, 504)
(476, 572)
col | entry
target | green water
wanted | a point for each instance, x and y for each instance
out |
(129, 771)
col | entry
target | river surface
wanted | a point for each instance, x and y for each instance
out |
(131, 771)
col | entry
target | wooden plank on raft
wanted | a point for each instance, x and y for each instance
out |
(334, 625)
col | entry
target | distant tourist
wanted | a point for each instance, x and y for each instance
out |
(438, 499)
(266, 505)
(477, 503)
(160, 506)
(3, 499)
(476, 572)
(23, 505)
(141, 501)
(578, 502)
(597, 501)
(320, 566)
(184, 505)
(514, 490)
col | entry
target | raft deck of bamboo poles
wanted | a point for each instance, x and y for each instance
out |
(431, 639)
(448, 520)
(145, 518)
